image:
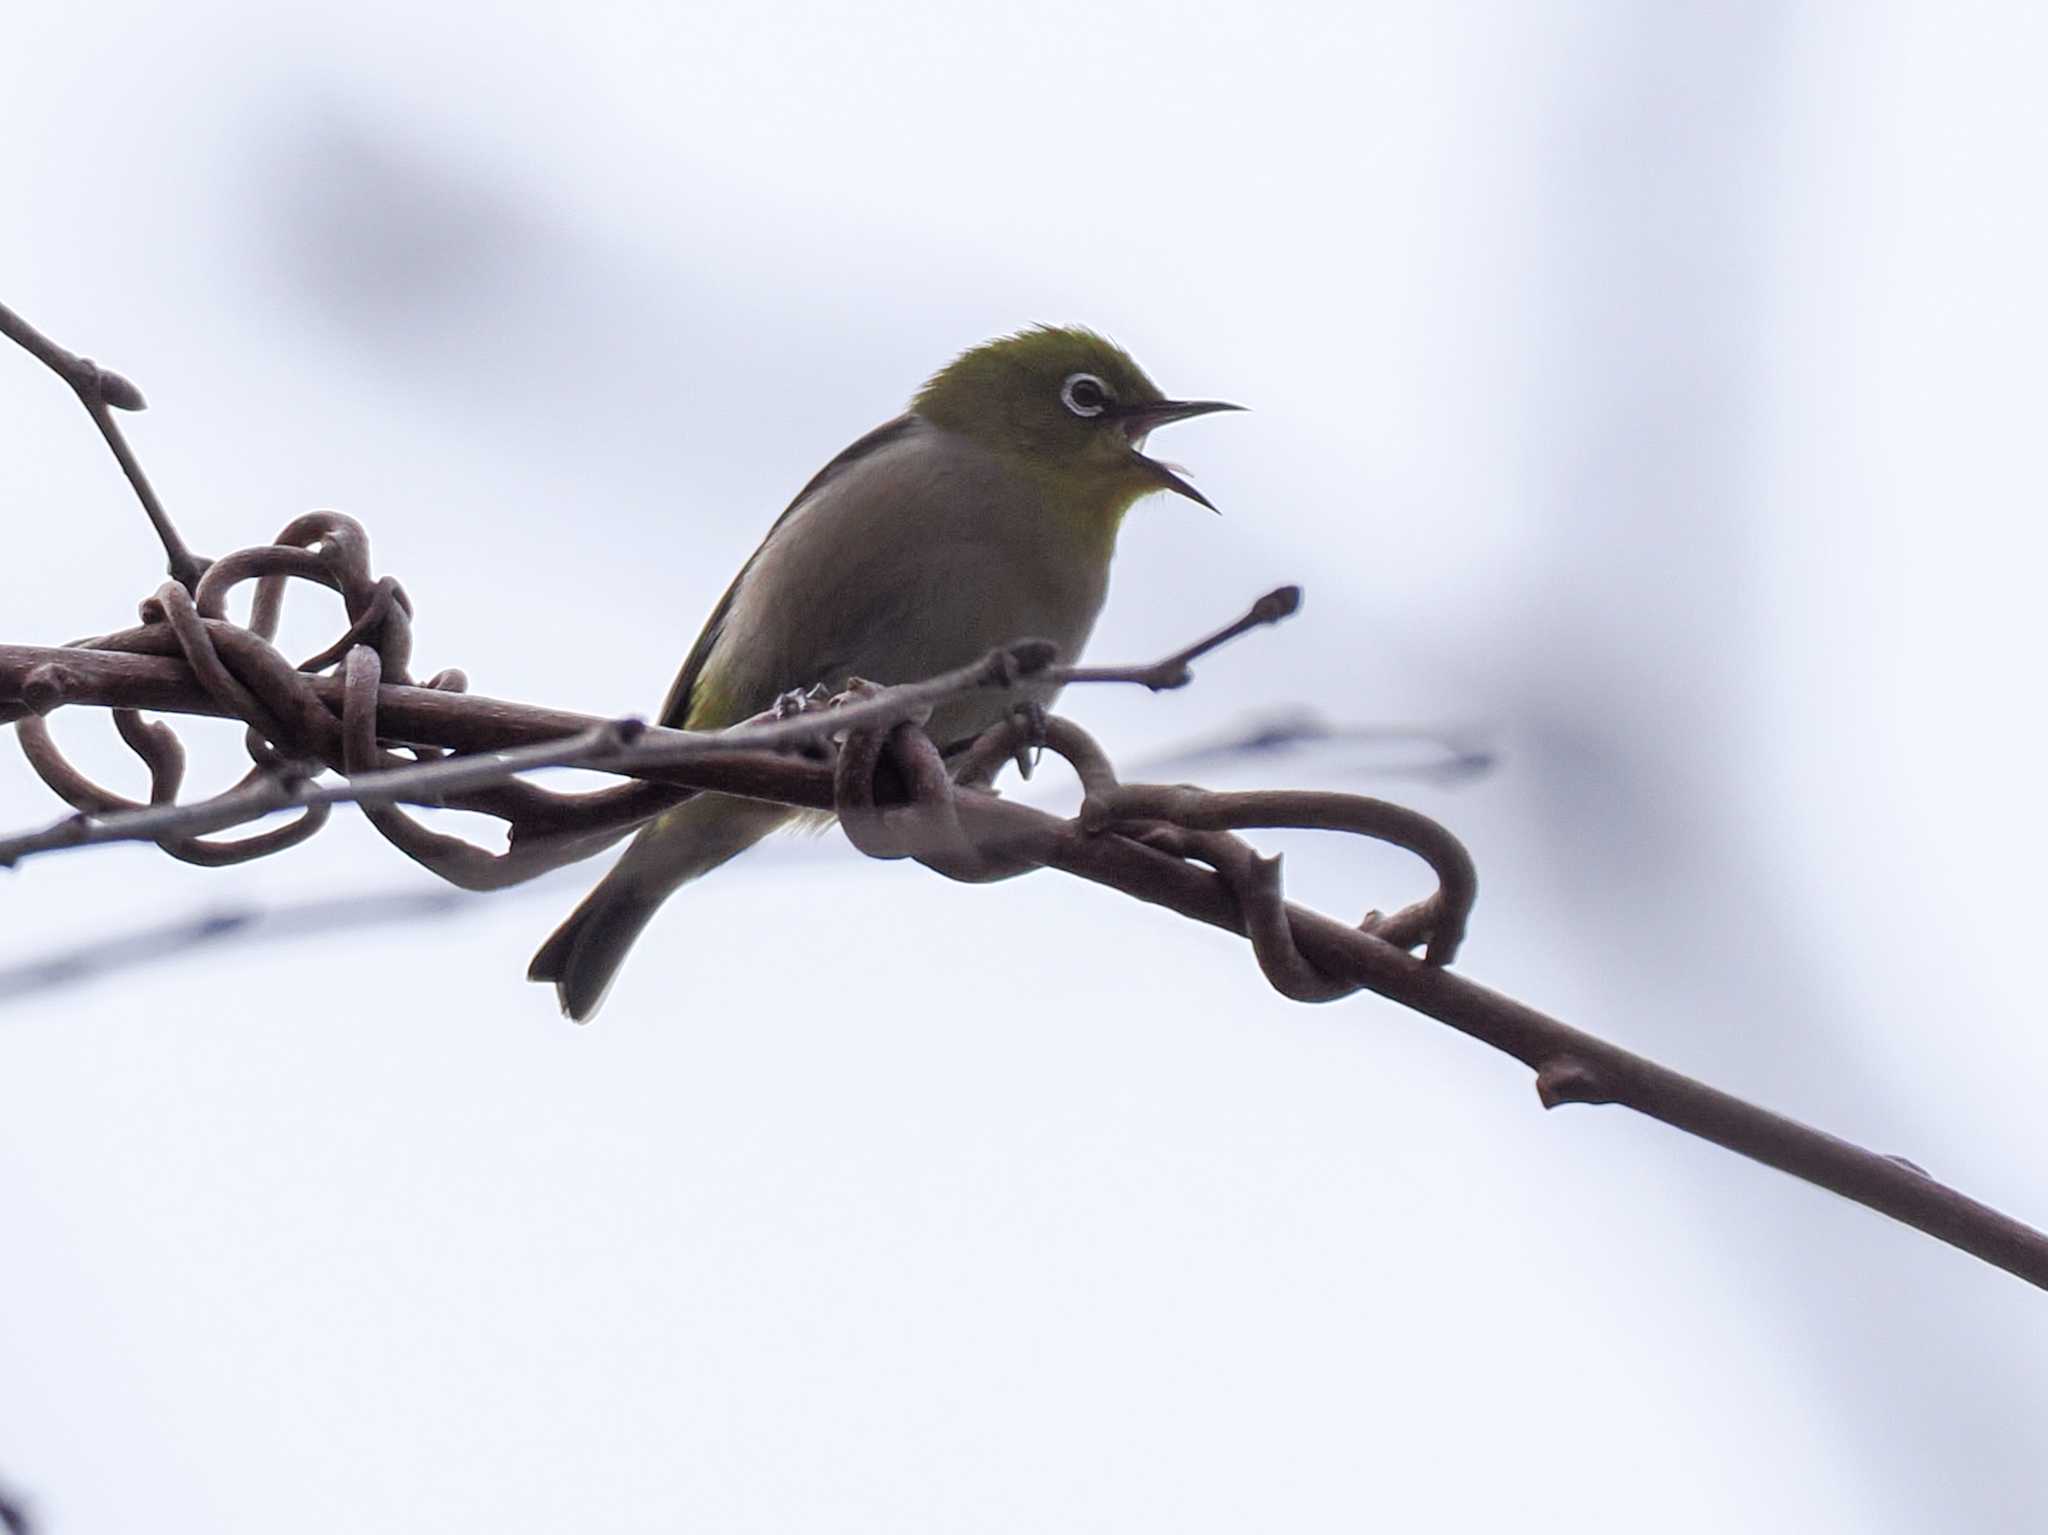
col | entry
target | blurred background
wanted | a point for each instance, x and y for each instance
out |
(1651, 391)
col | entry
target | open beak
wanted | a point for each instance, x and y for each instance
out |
(1138, 420)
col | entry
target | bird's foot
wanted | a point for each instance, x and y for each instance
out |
(798, 701)
(1028, 729)
(795, 704)
(852, 691)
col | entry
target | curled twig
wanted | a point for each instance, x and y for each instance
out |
(1440, 920)
(298, 724)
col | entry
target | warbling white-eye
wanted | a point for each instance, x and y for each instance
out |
(986, 513)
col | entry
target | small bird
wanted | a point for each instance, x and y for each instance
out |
(986, 513)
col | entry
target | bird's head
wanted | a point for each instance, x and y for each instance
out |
(1070, 407)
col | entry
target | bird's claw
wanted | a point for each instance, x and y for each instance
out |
(1029, 718)
(852, 691)
(798, 701)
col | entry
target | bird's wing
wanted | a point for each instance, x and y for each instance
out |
(675, 709)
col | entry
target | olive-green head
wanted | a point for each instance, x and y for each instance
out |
(1070, 406)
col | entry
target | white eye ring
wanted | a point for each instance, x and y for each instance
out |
(1085, 395)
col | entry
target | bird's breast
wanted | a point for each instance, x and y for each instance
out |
(920, 558)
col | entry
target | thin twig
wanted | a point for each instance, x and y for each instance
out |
(603, 746)
(1174, 671)
(102, 392)
(1013, 668)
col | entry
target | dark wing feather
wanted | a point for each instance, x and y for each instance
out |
(675, 709)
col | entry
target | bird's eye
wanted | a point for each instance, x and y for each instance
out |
(1085, 395)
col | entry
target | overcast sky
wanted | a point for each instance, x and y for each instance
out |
(1653, 388)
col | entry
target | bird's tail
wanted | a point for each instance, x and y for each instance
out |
(584, 955)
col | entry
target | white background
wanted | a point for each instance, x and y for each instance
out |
(1657, 387)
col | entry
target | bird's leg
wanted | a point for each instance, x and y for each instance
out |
(858, 690)
(1020, 736)
(1029, 728)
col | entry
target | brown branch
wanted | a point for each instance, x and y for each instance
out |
(429, 783)
(214, 926)
(102, 392)
(1570, 1066)
(41, 678)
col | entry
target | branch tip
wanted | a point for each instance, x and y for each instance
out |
(1281, 602)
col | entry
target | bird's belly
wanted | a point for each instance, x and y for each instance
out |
(916, 560)
(933, 626)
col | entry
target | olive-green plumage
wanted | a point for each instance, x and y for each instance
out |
(987, 513)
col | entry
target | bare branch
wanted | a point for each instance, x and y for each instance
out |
(1104, 845)
(213, 926)
(102, 392)
(625, 746)
(429, 783)
(1009, 669)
